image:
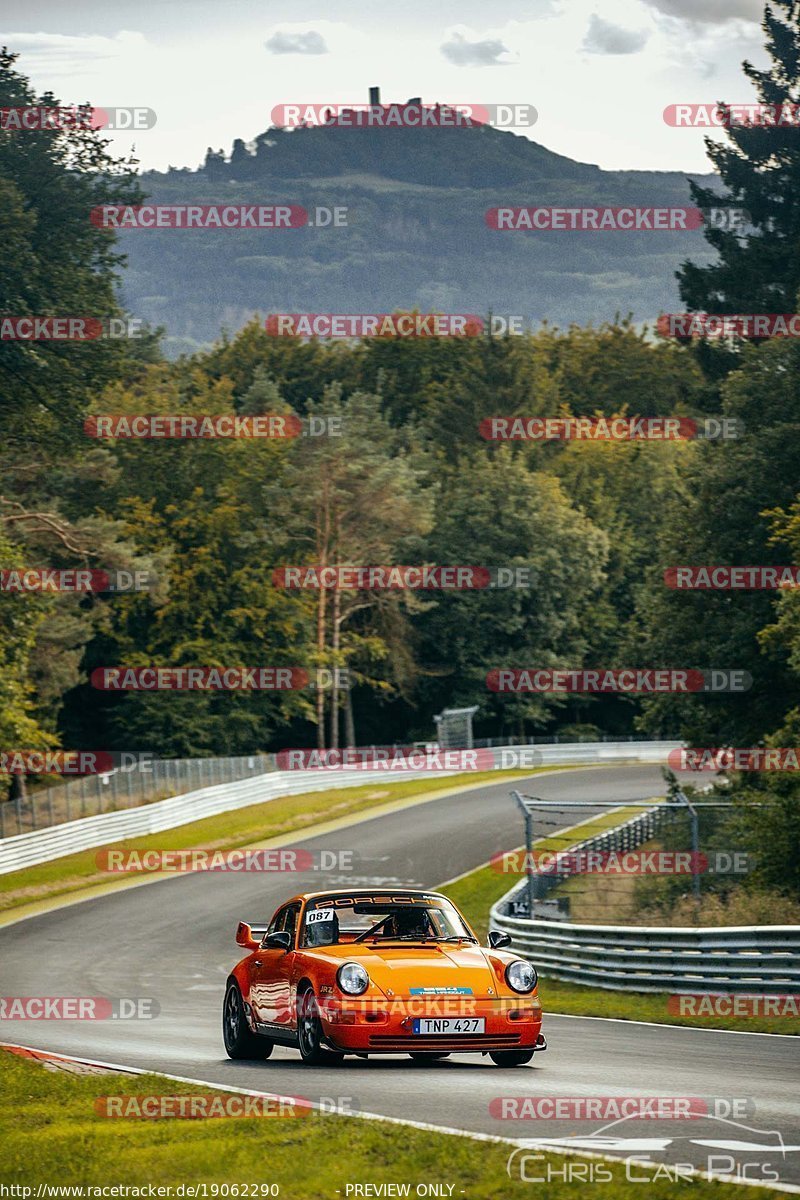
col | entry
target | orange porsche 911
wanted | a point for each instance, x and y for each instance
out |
(379, 972)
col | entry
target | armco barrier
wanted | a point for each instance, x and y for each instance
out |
(42, 845)
(758, 958)
(627, 836)
(27, 849)
(141, 780)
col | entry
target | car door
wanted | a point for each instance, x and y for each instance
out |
(259, 981)
(272, 970)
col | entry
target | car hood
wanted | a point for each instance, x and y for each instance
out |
(436, 969)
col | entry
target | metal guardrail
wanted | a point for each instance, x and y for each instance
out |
(629, 835)
(140, 782)
(150, 779)
(42, 845)
(552, 739)
(28, 849)
(762, 958)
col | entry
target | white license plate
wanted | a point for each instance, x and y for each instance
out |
(449, 1025)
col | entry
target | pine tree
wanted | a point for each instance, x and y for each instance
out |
(758, 268)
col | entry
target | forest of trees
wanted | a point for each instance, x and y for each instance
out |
(410, 480)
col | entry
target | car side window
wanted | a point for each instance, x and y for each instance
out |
(276, 922)
(289, 922)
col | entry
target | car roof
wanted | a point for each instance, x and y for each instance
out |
(367, 891)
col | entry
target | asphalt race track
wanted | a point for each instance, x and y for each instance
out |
(174, 940)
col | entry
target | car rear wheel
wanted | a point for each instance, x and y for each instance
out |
(309, 1033)
(422, 1057)
(510, 1058)
(240, 1041)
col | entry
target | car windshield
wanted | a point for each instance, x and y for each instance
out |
(382, 919)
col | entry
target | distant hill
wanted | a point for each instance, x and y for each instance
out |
(416, 234)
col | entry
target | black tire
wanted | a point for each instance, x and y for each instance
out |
(309, 1033)
(422, 1057)
(240, 1041)
(510, 1058)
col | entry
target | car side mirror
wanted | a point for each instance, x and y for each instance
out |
(497, 939)
(244, 937)
(281, 939)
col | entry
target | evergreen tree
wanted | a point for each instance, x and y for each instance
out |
(759, 267)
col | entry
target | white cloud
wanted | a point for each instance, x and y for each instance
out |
(283, 42)
(710, 12)
(58, 54)
(209, 81)
(479, 53)
(603, 37)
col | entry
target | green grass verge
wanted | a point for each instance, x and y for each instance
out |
(477, 892)
(227, 831)
(560, 996)
(51, 1134)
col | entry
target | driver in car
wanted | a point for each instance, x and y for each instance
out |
(323, 933)
(408, 923)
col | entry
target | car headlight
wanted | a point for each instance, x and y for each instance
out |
(352, 978)
(521, 976)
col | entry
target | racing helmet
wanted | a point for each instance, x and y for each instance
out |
(323, 933)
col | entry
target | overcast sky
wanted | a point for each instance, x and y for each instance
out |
(599, 72)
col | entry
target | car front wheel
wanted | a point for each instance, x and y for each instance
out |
(240, 1041)
(309, 1032)
(510, 1058)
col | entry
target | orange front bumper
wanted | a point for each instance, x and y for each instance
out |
(378, 1026)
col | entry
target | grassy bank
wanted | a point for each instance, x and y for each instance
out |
(51, 1134)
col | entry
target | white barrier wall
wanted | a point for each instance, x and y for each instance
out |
(42, 845)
